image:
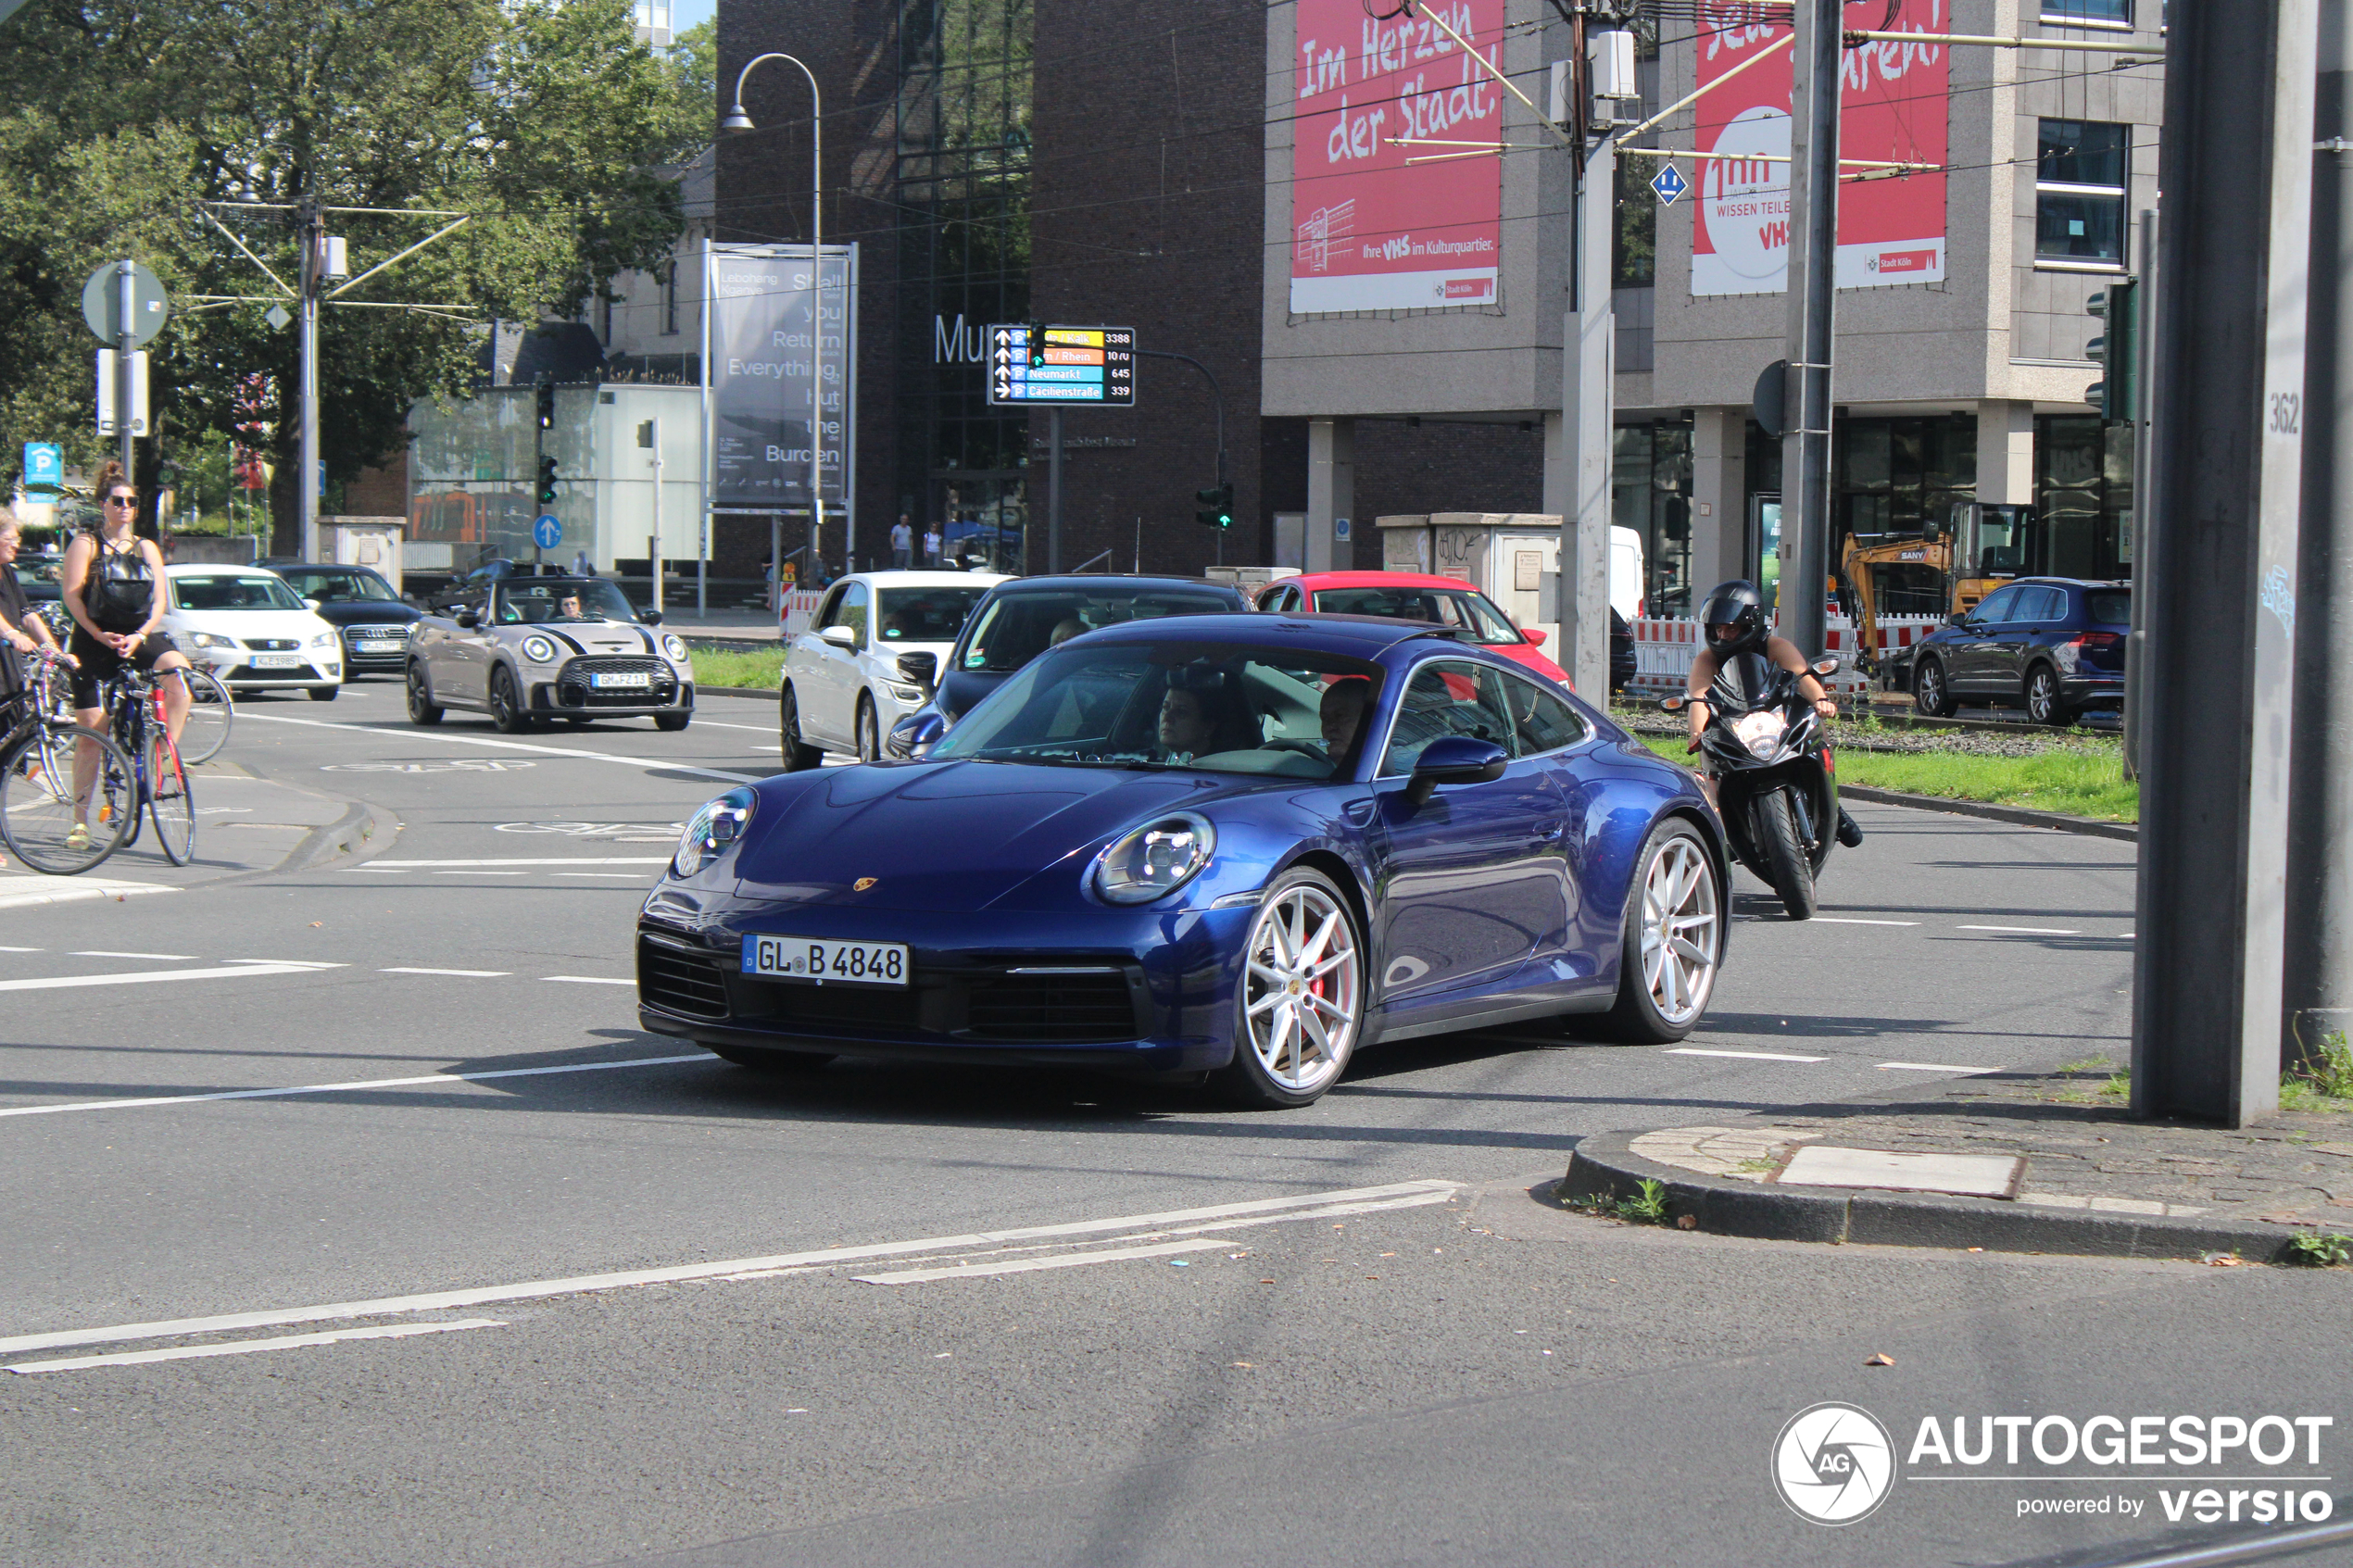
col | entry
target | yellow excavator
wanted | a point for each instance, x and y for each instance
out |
(1916, 573)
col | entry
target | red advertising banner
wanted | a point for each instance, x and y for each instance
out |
(1368, 231)
(1892, 108)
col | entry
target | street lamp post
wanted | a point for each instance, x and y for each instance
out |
(738, 123)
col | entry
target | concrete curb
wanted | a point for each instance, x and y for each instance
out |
(362, 832)
(758, 694)
(2020, 815)
(1604, 1167)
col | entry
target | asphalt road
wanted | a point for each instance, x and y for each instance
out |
(597, 1297)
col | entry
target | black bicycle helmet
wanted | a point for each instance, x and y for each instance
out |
(1736, 604)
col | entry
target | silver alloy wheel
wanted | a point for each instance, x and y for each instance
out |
(1681, 930)
(1930, 687)
(2041, 696)
(1303, 992)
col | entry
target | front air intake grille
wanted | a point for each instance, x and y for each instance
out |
(272, 644)
(575, 689)
(1048, 1008)
(676, 980)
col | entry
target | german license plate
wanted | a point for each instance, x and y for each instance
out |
(277, 661)
(377, 647)
(607, 680)
(827, 964)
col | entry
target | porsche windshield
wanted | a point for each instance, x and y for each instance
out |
(1216, 707)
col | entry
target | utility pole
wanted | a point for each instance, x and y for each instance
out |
(1054, 488)
(2236, 165)
(2319, 974)
(311, 232)
(125, 365)
(1813, 294)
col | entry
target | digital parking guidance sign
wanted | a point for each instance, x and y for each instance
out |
(1082, 365)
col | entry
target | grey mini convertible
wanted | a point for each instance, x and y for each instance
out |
(528, 649)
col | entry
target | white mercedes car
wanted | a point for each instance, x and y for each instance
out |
(246, 626)
(870, 656)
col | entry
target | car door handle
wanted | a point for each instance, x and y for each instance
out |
(1550, 832)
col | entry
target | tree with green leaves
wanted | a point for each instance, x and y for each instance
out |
(157, 129)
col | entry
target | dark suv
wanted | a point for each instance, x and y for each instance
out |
(2054, 643)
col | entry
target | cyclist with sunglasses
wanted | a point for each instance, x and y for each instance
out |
(113, 585)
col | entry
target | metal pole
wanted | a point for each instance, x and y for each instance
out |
(2319, 976)
(2236, 165)
(2143, 499)
(125, 295)
(1587, 415)
(307, 474)
(1813, 293)
(653, 551)
(1054, 489)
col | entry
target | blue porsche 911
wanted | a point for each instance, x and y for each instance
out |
(1244, 845)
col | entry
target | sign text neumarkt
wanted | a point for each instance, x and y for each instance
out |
(1029, 363)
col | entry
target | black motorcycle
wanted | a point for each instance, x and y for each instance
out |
(1775, 785)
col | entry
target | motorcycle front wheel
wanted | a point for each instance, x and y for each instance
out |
(1774, 812)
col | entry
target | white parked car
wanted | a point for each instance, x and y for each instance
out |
(870, 656)
(246, 626)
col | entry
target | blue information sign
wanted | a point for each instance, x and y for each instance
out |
(547, 532)
(44, 463)
(1032, 363)
(1669, 184)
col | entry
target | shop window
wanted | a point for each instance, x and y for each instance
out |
(2078, 195)
(2094, 13)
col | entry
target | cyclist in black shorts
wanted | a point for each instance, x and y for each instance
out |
(113, 585)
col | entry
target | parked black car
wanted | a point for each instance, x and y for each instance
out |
(364, 609)
(1024, 616)
(2054, 644)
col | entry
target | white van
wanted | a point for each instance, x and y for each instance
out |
(1626, 573)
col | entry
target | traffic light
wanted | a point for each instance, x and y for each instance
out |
(546, 482)
(1217, 507)
(546, 404)
(2117, 393)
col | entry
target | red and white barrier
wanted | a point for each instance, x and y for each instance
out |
(800, 607)
(1664, 647)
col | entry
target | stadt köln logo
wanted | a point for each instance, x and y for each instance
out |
(1833, 1463)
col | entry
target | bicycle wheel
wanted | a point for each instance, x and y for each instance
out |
(211, 713)
(42, 823)
(169, 800)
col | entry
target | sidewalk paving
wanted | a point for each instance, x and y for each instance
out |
(2008, 1162)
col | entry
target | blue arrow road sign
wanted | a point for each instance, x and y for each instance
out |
(44, 463)
(1669, 184)
(548, 532)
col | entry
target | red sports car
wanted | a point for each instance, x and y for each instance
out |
(1405, 596)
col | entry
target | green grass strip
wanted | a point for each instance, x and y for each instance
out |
(2082, 779)
(735, 667)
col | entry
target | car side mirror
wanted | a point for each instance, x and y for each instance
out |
(919, 735)
(1455, 760)
(465, 617)
(650, 617)
(1532, 637)
(921, 668)
(1958, 618)
(840, 636)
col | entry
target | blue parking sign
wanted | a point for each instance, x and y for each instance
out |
(44, 464)
(548, 532)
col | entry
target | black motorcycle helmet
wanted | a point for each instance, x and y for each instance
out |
(1736, 604)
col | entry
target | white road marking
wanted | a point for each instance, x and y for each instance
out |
(586, 979)
(246, 1346)
(477, 873)
(1025, 1265)
(23, 950)
(2021, 929)
(512, 861)
(293, 963)
(1849, 920)
(1937, 1067)
(702, 724)
(461, 974)
(107, 953)
(443, 737)
(32, 892)
(1744, 1056)
(150, 977)
(625, 876)
(358, 1084)
(1426, 1191)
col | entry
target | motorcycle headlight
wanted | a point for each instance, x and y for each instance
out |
(324, 640)
(711, 832)
(1157, 859)
(540, 650)
(1760, 731)
(675, 646)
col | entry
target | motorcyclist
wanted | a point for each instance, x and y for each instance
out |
(1732, 623)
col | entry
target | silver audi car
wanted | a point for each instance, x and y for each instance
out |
(527, 649)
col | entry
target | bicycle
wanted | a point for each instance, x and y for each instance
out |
(134, 705)
(211, 712)
(40, 820)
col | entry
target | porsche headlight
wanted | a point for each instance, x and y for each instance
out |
(1157, 859)
(1760, 731)
(711, 832)
(675, 646)
(540, 650)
